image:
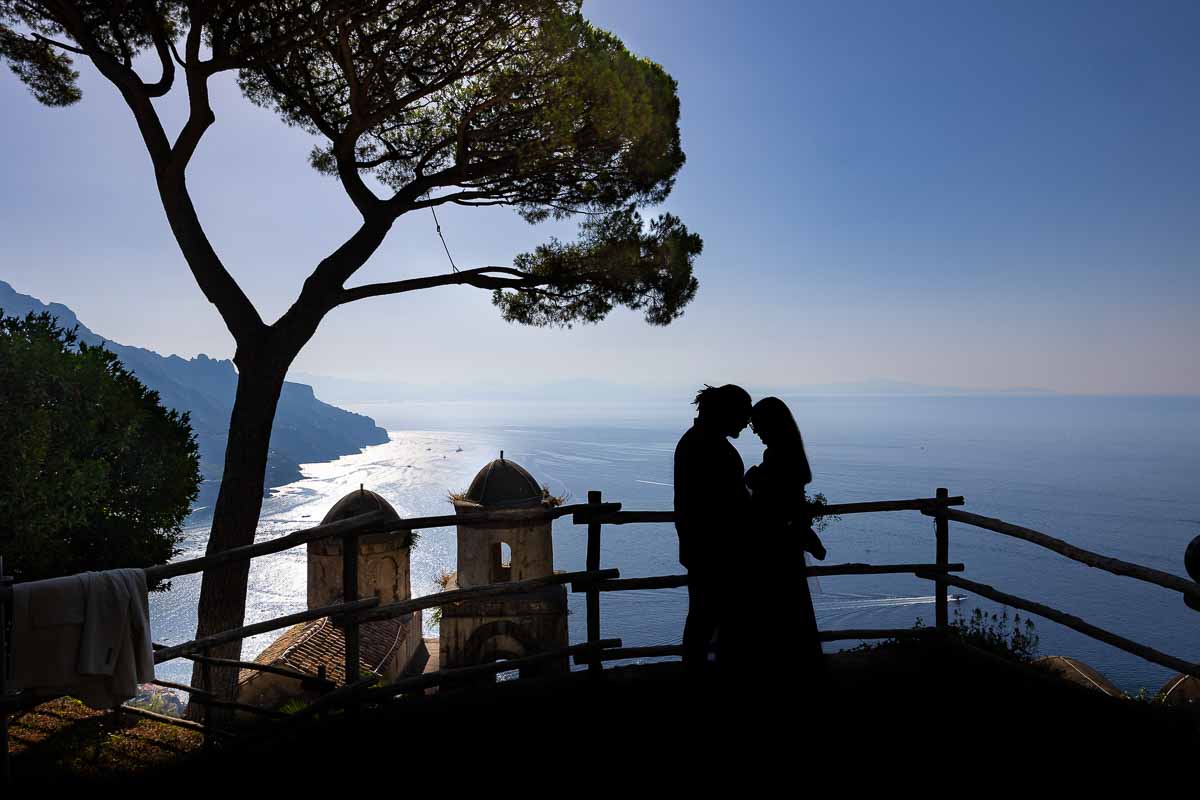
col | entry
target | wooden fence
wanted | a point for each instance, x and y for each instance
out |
(592, 581)
(939, 572)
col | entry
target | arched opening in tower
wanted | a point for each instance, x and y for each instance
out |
(501, 570)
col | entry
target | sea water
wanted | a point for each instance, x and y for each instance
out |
(1118, 476)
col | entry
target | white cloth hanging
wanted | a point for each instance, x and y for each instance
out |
(85, 635)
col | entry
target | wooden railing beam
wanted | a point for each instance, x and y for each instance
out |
(246, 631)
(676, 581)
(1114, 565)
(391, 610)
(621, 653)
(877, 633)
(176, 721)
(1072, 622)
(230, 705)
(363, 524)
(841, 509)
(183, 687)
(314, 682)
(372, 522)
(431, 679)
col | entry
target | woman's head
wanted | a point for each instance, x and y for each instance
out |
(772, 420)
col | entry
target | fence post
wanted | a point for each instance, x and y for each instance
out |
(5, 598)
(350, 594)
(593, 594)
(206, 685)
(942, 529)
(1191, 562)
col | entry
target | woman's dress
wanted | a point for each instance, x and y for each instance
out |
(781, 520)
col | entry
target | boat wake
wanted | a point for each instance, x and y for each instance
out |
(851, 602)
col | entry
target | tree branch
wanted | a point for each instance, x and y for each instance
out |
(481, 278)
(219, 287)
(303, 34)
(131, 86)
(324, 286)
(408, 198)
(201, 114)
(162, 46)
(178, 59)
(63, 45)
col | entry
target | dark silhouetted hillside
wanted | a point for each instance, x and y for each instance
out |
(306, 429)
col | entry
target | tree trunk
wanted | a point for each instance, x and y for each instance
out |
(235, 519)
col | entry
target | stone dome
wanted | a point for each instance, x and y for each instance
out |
(360, 501)
(504, 483)
(1181, 690)
(1079, 673)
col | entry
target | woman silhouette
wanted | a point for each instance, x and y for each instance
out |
(780, 512)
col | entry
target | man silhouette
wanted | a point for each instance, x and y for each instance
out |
(711, 502)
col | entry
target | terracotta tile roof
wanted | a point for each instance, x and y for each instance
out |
(307, 646)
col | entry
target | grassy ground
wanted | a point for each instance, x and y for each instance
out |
(65, 738)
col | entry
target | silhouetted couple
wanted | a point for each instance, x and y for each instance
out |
(742, 538)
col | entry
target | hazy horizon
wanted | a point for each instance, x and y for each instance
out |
(357, 391)
(951, 195)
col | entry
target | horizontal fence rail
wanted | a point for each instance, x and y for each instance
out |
(877, 633)
(371, 522)
(317, 681)
(590, 514)
(391, 610)
(676, 581)
(266, 626)
(363, 524)
(187, 724)
(450, 675)
(1073, 622)
(1114, 565)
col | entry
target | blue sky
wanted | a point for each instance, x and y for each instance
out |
(983, 195)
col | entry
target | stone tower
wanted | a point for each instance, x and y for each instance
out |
(383, 558)
(387, 647)
(512, 625)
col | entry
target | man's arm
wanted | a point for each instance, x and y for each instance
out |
(693, 499)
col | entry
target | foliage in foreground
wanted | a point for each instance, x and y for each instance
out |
(94, 473)
(989, 632)
(816, 510)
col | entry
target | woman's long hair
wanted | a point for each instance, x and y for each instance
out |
(774, 417)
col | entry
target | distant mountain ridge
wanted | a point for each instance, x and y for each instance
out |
(306, 429)
(590, 390)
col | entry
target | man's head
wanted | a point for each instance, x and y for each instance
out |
(727, 408)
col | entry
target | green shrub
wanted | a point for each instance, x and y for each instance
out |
(293, 706)
(990, 632)
(94, 472)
